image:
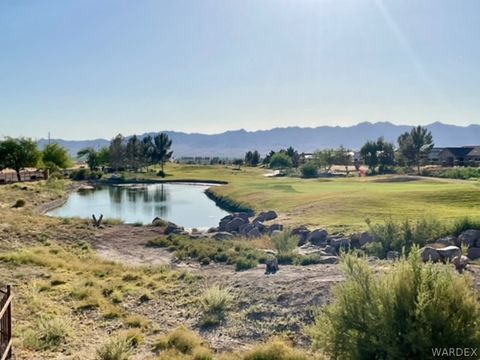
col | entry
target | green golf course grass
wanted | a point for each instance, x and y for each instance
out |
(339, 204)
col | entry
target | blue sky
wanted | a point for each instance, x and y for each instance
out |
(89, 68)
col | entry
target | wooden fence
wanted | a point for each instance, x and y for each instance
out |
(5, 324)
(11, 177)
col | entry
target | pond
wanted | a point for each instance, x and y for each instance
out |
(183, 204)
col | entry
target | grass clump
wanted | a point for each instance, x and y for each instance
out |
(181, 339)
(241, 253)
(275, 349)
(402, 314)
(215, 302)
(49, 333)
(120, 347)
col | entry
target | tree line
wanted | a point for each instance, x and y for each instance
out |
(122, 154)
(378, 155)
(133, 153)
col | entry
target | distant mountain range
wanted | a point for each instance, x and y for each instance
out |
(237, 142)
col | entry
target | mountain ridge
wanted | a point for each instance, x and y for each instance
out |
(233, 143)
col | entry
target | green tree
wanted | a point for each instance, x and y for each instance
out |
(386, 155)
(117, 152)
(281, 161)
(268, 157)
(134, 153)
(369, 153)
(18, 154)
(294, 155)
(103, 156)
(324, 159)
(252, 158)
(55, 156)
(378, 153)
(90, 156)
(414, 146)
(343, 157)
(161, 150)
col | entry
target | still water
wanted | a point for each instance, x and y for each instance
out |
(184, 204)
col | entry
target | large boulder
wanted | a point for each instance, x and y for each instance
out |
(172, 229)
(449, 252)
(340, 242)
(266, 216)
(473, 253)
(332, 250)
(223, 235)
(470, 238)
(234, 224)
(242, 215)
(302, 233)
(317, 237)
(224, 221)
(259, 226)
(275, 227)
(429, 253)
(254, 233)
(365, 238)
(245, 228)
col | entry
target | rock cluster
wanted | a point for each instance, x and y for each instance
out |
(468, 238)
(240, 224)
(318, 241)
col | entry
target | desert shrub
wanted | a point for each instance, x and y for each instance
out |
(466, 223)
(245, 263)
(309, 170)
(275, 349)
(285, 242)
(309, 259)
(180, 339)
(215, 302)
(402, 236)
(136, 321)
(118, 348)
(50, 332)
(401, 314)
(19, 203)
(112, 221)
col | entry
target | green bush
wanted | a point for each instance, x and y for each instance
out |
(309, 170)
(402, 314)
(180, 339)
(215, 302)
(466, 223)
(402, 236)
(461, 173)
(285, 242)
(85, 174)
(245, 263)
(19, 203)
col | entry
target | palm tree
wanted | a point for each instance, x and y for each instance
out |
(161, 150)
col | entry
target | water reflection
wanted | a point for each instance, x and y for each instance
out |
(184, 204)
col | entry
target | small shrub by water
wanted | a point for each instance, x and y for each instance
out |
(402, 314)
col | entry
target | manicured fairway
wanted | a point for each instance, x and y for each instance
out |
(339, 203)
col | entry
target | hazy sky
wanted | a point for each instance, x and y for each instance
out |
(91, 68)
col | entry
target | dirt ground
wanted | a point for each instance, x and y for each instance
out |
(265, 304)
